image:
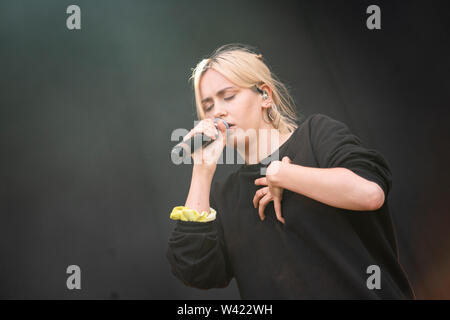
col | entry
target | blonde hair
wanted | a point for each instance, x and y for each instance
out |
(242, 66)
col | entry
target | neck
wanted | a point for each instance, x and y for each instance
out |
(265, 142)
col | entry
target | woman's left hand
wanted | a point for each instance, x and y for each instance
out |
(270, 192)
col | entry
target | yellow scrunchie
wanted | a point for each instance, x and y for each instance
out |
(186, 214)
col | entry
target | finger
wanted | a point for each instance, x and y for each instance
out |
(277, 206)
(211, 133)
(189, 134)
(208, 121)
(211, 125)
(222, 131)
(261, 181)
(221, 126)
(203, 128)
(258, 195)
(262, 206)
(286, 159)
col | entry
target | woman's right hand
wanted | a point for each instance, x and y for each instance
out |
(206, 158)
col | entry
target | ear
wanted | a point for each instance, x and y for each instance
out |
(267, 103)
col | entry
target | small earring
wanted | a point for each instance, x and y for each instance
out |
(270, 115)
(264, 96)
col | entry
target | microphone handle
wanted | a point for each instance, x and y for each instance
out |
(198, 140)
(186, 148)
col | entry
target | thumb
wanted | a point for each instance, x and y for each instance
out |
(223, 129)
(286, 159)
(221, 126)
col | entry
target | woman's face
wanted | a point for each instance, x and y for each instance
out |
(240, 107)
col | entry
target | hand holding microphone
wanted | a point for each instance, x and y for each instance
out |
(204, 142)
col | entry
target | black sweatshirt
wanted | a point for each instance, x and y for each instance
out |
(321, 252)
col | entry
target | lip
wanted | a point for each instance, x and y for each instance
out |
(230, 124)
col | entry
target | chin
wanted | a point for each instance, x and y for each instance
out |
(232, 141)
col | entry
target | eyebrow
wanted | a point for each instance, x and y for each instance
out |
(219, 93)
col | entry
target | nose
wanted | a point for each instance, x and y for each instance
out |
(220, 112)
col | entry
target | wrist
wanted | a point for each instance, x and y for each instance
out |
(276, 173)
(203, 172)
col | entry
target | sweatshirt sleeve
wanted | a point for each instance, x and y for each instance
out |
(197, 254)
(335, 146)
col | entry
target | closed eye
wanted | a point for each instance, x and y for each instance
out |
(226, 99)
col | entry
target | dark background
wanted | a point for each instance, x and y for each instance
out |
(86, 118)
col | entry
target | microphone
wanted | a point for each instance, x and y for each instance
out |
(198, 140)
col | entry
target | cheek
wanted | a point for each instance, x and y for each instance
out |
(244, 110)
